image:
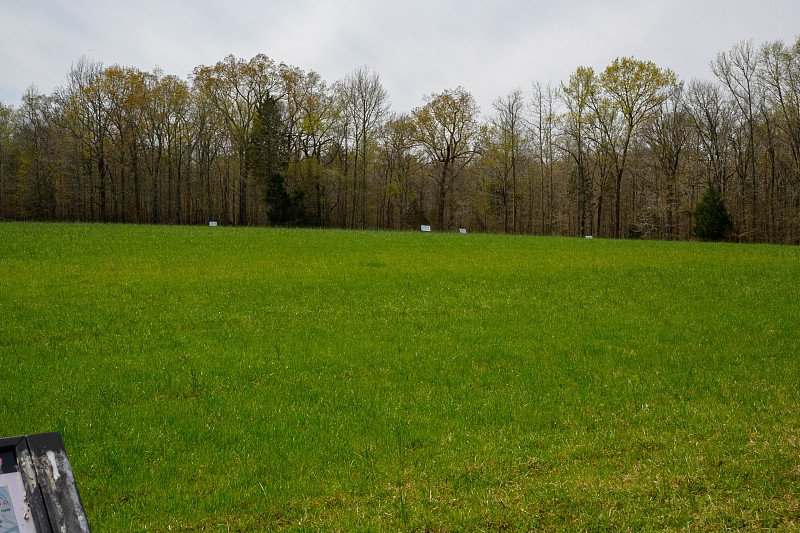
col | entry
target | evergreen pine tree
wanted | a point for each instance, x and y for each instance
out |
(280, 205)
(267, 160)
(711, 218)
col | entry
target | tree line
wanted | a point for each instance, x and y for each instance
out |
(625, 152)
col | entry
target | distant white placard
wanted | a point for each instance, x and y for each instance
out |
(462, 230)
(424, 228)
(15, 515)
(589, 237)
(213, 224)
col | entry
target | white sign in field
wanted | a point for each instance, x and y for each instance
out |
(212, 224)
(462, 230)
(424, 228)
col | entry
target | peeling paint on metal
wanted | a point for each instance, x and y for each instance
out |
(52, 457)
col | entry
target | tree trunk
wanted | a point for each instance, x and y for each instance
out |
(442, 194)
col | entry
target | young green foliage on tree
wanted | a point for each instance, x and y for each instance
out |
(234, 88)
(634, 89)
(447, 128)
(578, 95)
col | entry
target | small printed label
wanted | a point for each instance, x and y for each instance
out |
(8, 520)
(15, 515)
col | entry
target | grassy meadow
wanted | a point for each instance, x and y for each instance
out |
(251, 379)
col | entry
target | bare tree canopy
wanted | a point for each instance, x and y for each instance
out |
(627, 151)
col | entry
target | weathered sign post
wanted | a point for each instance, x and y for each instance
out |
(38, 493)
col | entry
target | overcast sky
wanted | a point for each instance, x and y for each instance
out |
(418, 47)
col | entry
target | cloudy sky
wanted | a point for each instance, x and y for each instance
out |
(418, 47)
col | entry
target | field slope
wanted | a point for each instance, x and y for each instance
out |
(247, 379)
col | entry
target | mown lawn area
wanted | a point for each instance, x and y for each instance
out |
(251, 379)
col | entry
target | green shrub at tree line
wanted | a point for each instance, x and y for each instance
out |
(711, 218)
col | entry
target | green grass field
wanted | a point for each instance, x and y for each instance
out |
(232, 379)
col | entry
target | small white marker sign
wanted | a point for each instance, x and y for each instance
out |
(589, 237)
(424, 228)
(462, 230)
(213, 224)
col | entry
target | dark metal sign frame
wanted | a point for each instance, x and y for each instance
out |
(51, 493)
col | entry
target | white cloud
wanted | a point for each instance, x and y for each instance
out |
(417, 46)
